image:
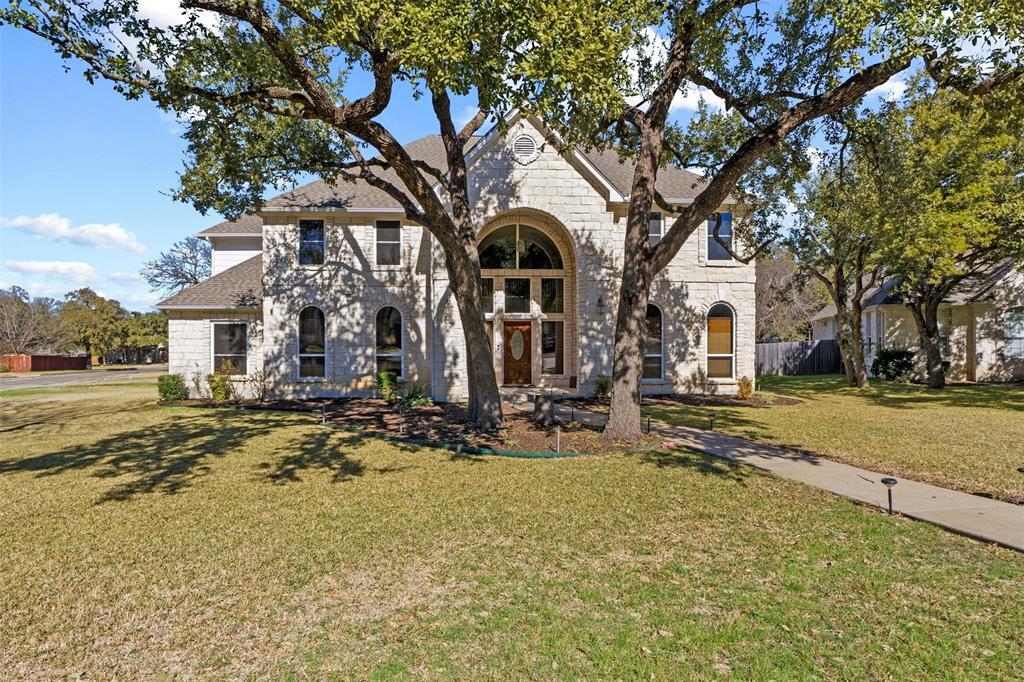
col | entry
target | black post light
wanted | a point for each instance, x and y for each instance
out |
(889, 483)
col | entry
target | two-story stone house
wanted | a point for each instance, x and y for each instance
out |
(328, 284)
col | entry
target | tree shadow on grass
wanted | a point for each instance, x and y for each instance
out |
(163, 458)
(699, 462)
(324, 450)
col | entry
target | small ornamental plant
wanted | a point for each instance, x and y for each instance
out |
(602, 386)
(221, 387)
(745, 388)
(172, 388)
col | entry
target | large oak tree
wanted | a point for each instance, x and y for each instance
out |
(777, 67)
(263, 88)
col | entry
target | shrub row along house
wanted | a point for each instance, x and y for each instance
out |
(329, 284)
(981, 325)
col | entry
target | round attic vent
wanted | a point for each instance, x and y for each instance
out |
(524, 149)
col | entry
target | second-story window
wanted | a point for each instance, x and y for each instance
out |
(389, 242)
(311, 242)
(715, 250)
(655, 228)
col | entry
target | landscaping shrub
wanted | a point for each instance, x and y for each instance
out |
(257, 382)
(602, 386)
(387, 386)
(894, 364)
(197, 382)
(221, 387)
(745, 388)
(172, 387)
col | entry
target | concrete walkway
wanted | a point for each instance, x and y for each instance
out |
(978, 517)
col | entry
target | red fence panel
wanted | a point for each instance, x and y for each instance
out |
(42, 363)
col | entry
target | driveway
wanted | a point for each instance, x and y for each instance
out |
(105, 375)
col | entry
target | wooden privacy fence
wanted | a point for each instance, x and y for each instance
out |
(40, 363)
(798, 357)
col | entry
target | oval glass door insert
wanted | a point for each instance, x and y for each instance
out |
(516, 344)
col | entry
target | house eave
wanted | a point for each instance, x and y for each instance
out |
(196, 306)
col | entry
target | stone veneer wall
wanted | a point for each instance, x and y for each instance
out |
(190, 350)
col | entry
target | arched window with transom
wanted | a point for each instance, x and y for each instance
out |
(721, 342)
(312, 343)
(389, 341)
(654, 346)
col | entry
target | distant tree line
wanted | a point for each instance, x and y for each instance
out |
(83, 321)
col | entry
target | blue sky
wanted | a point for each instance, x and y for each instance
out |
(85, 174)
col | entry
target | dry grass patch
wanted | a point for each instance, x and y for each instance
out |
(145, 541)
(965, 437)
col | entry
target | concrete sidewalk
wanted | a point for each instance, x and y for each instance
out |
(978, 517)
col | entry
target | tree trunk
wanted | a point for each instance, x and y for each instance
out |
(860, 372)
(926, 319)
(484, 408)
(624, 419)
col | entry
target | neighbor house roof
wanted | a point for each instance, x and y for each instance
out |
(973, 290)
(673, 183)
(240, 286)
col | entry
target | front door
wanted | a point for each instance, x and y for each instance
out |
(518, 367)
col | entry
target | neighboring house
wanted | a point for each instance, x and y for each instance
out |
(981, 325)
(329, 284)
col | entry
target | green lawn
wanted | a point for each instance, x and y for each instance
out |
(141, 541)
(970, 438)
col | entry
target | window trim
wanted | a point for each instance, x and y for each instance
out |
(299, 355)
(377, 242)
(660, 379)
(401, 341)
(323, 243)
(213, 345)
(1007, 339)
(709, 231)
(732, 344)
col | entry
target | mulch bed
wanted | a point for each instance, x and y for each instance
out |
(442, 423)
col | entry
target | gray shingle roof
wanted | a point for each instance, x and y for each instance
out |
(673, 183)
(239, 286)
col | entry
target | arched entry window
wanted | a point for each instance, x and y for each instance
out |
(720, 342)
(654, 347)
(519, 247)
(312, 346)
(389, 341)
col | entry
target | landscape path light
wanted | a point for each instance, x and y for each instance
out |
(889, 482)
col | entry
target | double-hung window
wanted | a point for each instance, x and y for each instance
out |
(724, 223)
(720, 342)
(311, 242)
(230, 345)
(389, 341)
(655, 228)
(312, 345)
(389, 242)
(1013, 333)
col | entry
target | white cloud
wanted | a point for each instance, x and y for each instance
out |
(166, 13)
(656, 50)
(692, 96)
(815, 156)
(891, 90)
(68, 271)
(55, 227)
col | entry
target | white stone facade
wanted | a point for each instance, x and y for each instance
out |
(551, 193)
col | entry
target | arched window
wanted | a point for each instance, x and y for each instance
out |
(1013, 332)
(519, 247)
(654, 355)
(312, 345)
(720, 342)
(389, 341)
